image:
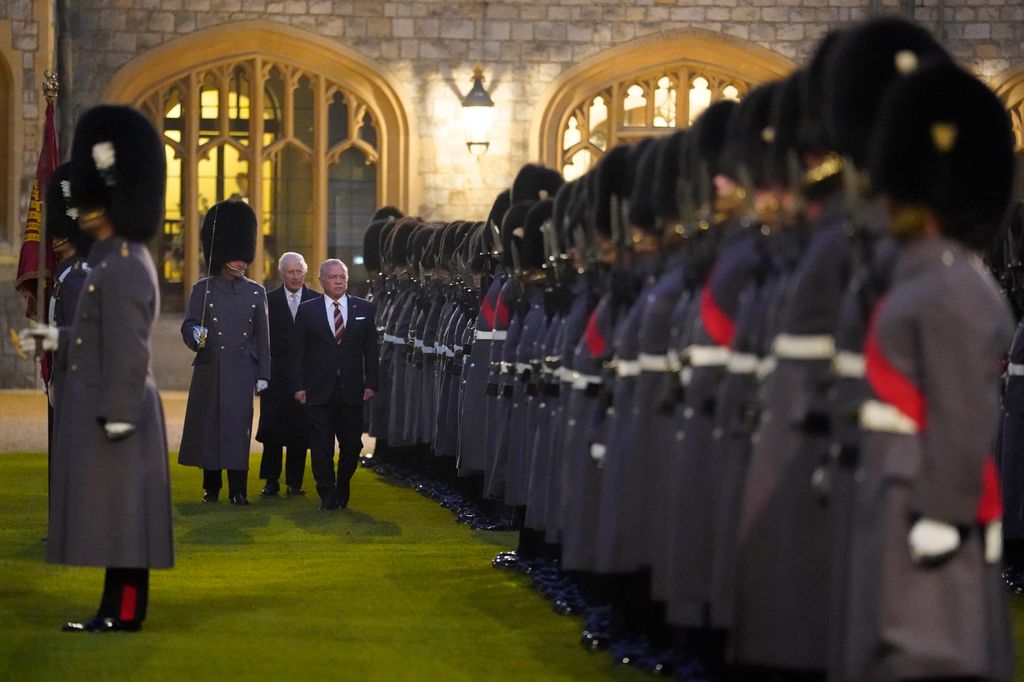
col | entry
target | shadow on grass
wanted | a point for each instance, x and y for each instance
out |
(221, 524)
(344, 523)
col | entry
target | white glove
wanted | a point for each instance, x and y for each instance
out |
(118, 430)
(932, 542)
(994, 542)
(261, 385)
(199, 333)
(30, 338)
(597, 453)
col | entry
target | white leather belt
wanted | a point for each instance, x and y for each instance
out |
(707, 356)
(742, 363)
(848, 365)
(391, 338)
(582, 381)
(446, 351)
(627, 368)
(766, 366)
(418, 343)
(523, 367)
(878, 416)
(804, 347)
(1015, 370)
(504, 367)
(657, 363)
(428, 350)
(489, 336)
(564, 374)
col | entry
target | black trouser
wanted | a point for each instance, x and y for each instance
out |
(125, 594)
(237, 483)
(343, 421)
(294, 467)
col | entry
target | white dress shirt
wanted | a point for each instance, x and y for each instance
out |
(294, 299)
(329, 305)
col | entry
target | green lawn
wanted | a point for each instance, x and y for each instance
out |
(392, 588)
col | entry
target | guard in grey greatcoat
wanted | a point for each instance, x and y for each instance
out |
(282, 420)
(226, 325)
(472, 446)
(111, 501)
(928, 510)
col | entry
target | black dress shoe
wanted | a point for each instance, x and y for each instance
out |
(240, 500)
(327, 505)
(211, 495)
(295, 491)
(100, 625)
(271, 489)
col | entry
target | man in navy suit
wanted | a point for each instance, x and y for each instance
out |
(334, 370)
(282, 420)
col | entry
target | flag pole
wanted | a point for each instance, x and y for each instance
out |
(50, 89)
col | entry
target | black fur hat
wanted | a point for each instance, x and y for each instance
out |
(613, 176)
(398, 234)
(782, 158)
(945, 141)
(535, 182)
(812, 133)
(61, 215)
(513, 230)
(748, 138)
(387, 213)
(228, 233)
(371, 244)
(419, 244)
(866, 59)
(671, 166)
(118, 164)
(533, 255)
(642, 212)
(707, 141)
(499, 207)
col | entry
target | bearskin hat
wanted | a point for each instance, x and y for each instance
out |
(535, 182)
(397, 245)
(513, 230)
(533, 255)
(642, 212)
(371, 244)
(864, 62)
(945, 141)
(499, 207)
(612, 177)
(781, 157)
(118, 164)
(228, 233)
(812, 133)
(387, 213)
(748, 138)
(61, 215)
(671, 167)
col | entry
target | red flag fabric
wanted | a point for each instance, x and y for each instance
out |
(28, 261)
(29, 264)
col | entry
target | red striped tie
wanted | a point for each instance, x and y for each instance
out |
(339, 323)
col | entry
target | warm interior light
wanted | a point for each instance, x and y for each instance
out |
(477, 114)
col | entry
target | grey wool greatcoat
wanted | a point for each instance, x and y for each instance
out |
(110, 501)
(218, 418)
(932, 354)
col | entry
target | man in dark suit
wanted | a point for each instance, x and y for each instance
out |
(334, 370)
(282, 420)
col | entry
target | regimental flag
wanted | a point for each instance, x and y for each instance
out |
(29, 261)
(29, 265)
